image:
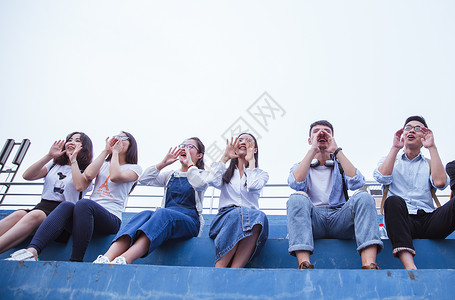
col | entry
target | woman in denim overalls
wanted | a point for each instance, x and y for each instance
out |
(182, 202)
(240, 229)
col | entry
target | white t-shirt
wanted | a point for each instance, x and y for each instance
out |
(111, 195)
(56, 189)
(320, 185)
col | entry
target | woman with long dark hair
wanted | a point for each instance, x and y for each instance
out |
(239, 229)
(181, 212)
(116, 171)
(58, 172)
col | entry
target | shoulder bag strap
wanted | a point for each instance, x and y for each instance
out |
(433, 190)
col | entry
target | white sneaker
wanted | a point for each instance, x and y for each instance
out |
(101, 259)
(22, 255)
(119, 260)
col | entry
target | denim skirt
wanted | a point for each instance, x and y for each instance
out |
(234, 223)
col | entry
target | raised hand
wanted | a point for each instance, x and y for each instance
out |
(428, 138)
(118, 146)
(231, 149)
(109, 144)
(314, 143)
(73, 156)
(250, 150)
(398, 139)
(56, 149)
(332, 144)
(171, 157)
(186, 159)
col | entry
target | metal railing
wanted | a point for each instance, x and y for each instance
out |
(272, 201)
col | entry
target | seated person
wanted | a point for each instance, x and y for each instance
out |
(409, 211)
(321, 209)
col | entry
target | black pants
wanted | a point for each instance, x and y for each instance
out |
(81, 219)
(403, 227)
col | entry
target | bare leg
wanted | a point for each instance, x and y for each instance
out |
(139, 248)
(407, 260)
(11, 220)
(21, 230)
(368, 255)
(245, 248)
(118, 247)
(302, 255)
(224, 261)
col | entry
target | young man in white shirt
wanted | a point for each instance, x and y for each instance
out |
(320, 207)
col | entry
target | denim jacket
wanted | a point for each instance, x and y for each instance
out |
(336, 195)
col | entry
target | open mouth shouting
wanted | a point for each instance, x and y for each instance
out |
(322, 138)
(411, 137)
(70, 147)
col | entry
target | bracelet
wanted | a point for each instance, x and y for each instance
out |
(336, 151)
(74, 162)
(193, 165)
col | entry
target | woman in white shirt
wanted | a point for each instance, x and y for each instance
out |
(116, 172)
(58, 172)
(239, 229)
(181, 212)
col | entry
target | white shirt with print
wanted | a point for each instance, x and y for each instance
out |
(111, 195)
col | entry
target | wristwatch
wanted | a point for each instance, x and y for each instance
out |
(336, 151)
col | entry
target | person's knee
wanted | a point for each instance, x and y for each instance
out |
(298, 199)
(363, 198)
(393, 202)
(83, 205)
(35, 217)
(65, 206)
(17, 215)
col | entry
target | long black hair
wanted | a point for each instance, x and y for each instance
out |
(131, 153)
(233, 164)
(201, 149)
(84, 157)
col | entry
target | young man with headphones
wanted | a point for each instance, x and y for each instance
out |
(320, 207)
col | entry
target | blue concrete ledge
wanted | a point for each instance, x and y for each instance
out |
(66, 280)
(200, 252)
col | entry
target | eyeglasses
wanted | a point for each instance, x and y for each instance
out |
(189, 146)
(121, 137)
(409, 128)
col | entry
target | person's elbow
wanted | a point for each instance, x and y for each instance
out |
(27, 177)
(116, 178)
(80, 187)
(440, 183)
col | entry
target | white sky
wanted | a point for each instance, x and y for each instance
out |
(168, 70)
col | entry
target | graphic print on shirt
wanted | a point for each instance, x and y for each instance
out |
(103, 190)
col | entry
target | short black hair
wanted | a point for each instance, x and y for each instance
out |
(321, 122)
(416, 118)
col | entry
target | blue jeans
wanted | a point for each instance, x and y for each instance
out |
(356, 218)
(162, 225)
